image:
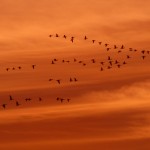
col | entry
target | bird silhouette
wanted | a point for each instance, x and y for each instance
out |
(10, 98)
(28, 99)
(68, 99)
(110, 62)
(80, 61)
(109, 67)
(50, 35)
(109, 58)
(119, 51)
(85, 38)
(115, 47)
(118, 66)
(143, 57)
(7, 69)
(116, 62)
(102, 63)
(99, 43)
(58, 81)
(13, 68)
(61, 100)
(75, 80)
(72, 39)
(52, 62)
(57, 98)
(124, 63)
(108, 48)
(128, 57)
(40, 99)
(4, 105)
(33, 66)
(55, 59)
(19, 67)
(93, 60)
(74, 60)
(65, 36)
(106, 45)
(57, 35)
(93, 41)
(71, 80)
(122, 47)
(102, 69)
(50, 79)
(143, 51)
(17, 103)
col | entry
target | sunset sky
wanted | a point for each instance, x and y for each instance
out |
(109, 109)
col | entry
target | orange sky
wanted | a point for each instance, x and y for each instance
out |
(108, 110)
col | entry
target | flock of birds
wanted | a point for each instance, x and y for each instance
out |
(107, 64)
(11, 98)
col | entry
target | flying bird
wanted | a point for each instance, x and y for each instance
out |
(115, 47)
(74, 60)
(10, 98)
(75, 80)
(85, 38)
(93, 60)
(27, 99)
(52, 62)
(61, 100)
(68, 100)
(109, 58)
(143, 57)
(4, 105)
(118, 66)
(124, 63)
(106, 45)
(102, 63)
(108, 49)
(50, 79)
(33, 66)
(128, 57)
(7, 69)
(72, 39)
(102, 69)
(70, 79)
(93, 41)
(116, 62)
(143, 51)
(109, 67)
(57, 98)
(17, 103)
(65, 36)
(58, 81)
(122, 47)
(110, 62)
(40, 99)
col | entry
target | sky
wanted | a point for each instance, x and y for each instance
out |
(108, 109)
